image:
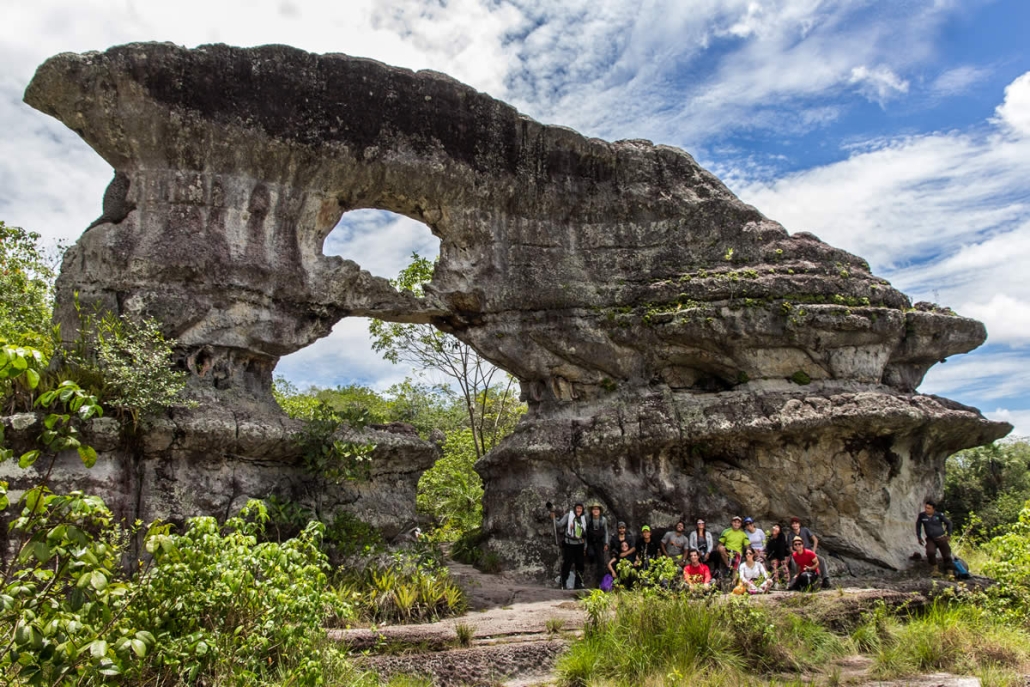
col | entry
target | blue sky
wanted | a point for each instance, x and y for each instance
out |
(898, 130)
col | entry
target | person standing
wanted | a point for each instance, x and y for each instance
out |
(620, 536)
(812, 543)
(574, 526)
(674, 544)
(701, 539)
(778, 555)
(597, 541)
(937, 527)
(647, 549)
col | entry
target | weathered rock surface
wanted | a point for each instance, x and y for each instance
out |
(652, 318)
(212, 461)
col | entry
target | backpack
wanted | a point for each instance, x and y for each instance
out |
(961, 569)
(607, 582)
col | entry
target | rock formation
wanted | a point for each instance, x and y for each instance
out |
(681, 353)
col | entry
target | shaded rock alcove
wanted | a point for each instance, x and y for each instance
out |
(681, 353)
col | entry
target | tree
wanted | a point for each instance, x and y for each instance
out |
(481, 385)
(27, 288)
(986, 487)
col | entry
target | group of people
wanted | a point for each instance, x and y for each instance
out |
(755, 561)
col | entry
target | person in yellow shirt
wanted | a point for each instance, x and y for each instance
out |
(732, 543)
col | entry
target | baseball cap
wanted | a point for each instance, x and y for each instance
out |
(621, 524)
(645, 528)
(736, 517)
(748, 521)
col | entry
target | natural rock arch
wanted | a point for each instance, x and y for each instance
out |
(664, 332)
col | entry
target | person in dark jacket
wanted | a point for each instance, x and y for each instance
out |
(937, 527)
(778, 554)
(597, 541)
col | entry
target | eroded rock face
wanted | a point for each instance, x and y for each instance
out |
(617, 281)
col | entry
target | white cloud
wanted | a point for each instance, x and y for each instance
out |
(989, 374)
(1019, 419)
(381, 242)
(878, 84)
(1015, 111)
(344, 357)
(958, 80)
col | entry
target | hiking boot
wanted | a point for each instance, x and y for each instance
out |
(826, 583)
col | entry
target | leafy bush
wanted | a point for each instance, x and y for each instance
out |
(128, 364)
(406, 586)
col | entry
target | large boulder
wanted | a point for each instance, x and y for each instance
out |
(679, 351)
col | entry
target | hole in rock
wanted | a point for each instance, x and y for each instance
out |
(380, 241)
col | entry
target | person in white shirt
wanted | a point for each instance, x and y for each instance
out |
(756, 535)
(753, 574)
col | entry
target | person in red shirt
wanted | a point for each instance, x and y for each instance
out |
(696, 572)
(807, 565)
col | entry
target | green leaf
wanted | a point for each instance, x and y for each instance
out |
(146, 637)
(98, 649)
(18, 362)
(99, 581)
(88, 455)
(138, 647)
(28, 458)
(32, 377)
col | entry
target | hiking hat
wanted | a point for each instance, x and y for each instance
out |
(645, 528)
(735, 517)
(621, 523)
(795, 540)
(596, 505)
(748, 520)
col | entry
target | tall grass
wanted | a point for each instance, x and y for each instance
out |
(683, 640)
(954, 637)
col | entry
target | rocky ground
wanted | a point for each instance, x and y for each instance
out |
(518, 630)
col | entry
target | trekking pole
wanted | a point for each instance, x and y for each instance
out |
(554, 522)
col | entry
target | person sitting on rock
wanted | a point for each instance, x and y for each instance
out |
(938, 535)
(574, 526)
(777, 553)
(807, 564)
(618, 538)
(701, 539)
(756, 536)
(647, 549)
(696, 573)
(811, 542)
(753, 574)
(731, 544)
(674, 544)
(627, 574)
(597, 541)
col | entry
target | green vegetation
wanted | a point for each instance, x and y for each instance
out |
(985, 488)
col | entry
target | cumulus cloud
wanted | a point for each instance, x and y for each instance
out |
(1019, 419)
(381, 242)
(1014, 113)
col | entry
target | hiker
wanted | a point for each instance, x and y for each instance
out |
(696, 573)
(811, 542)
(674, 544)
(807, 564)
(701, 539)
(753, 574)
(574, 525)
(731, 544)
(777, 554)
(937, 527)
(619, 537)
(597, 541)
(628, 575)
(755, 535)
(647, 549)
